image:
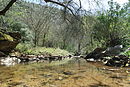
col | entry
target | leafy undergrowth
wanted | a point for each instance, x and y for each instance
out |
(126, 52)
(28, 49)
(60, 74)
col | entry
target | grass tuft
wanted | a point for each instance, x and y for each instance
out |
(28, 49)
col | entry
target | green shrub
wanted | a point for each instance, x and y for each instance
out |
(127, 53)
(23, 47)
(29, 49)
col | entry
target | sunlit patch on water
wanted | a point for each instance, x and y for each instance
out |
(9, 61)
(65, 73)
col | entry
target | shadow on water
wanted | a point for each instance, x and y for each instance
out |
(99, 85)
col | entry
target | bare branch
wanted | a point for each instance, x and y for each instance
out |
(61, 4)
(2, 12)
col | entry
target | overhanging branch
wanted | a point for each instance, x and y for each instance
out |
(9, 5)
(2, 12)
(61, 4)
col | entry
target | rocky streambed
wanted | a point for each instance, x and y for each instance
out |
(26, 59)
(64, 73)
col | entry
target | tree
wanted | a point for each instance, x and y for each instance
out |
(2, 12)
(64, 4)
(111, 27)
(37, 17)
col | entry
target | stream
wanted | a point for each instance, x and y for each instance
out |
(62, 73)
(12, 61)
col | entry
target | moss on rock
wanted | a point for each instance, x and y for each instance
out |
(7, 42)
(4, 36)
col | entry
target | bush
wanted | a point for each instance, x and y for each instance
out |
(29, 49)
(23, 47)
(127, 52)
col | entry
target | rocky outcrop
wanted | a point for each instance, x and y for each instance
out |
(15, 35)
(96, 54)
(117, 61)
(110, 57)
(113, 51)
(99, 53)
(8, 41)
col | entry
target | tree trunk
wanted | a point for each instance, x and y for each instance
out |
(9, 5)
(79, 47)
(43, 40)
(64, 44)
(35, 39)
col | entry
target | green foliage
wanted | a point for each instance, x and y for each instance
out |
(45, 26)
(29, 49)
(112, 27)
(22, 47)
(127, 53)
(23, 30)
(11, 22)
(47, 51)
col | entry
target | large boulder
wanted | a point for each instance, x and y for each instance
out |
(113, 51)
(8, 41)
(96, 54)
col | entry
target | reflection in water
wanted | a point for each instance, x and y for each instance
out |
(58, 73)
(9, 61)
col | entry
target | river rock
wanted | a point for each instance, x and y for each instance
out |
(113, 51)
(117, 61)
(96, 54)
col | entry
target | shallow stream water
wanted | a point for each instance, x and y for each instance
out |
(65, 73)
